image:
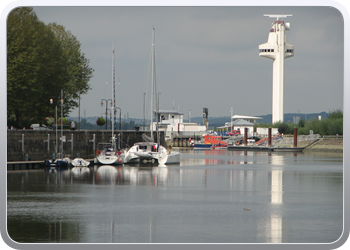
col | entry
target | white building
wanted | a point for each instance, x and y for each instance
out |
(240, 122)
(277, 49)
(171, 122)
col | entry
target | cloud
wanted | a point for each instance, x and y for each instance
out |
(207, 56)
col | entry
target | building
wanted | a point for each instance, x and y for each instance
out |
(240, 122)
(171, 122)
(277, 49)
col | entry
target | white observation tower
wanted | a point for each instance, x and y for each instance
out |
(277, 49)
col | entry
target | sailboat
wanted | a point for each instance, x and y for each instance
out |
(107, 153)
(149, 151)
(58, 161)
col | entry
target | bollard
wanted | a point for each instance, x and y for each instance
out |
(295, 137)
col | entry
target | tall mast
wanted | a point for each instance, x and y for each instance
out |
(61, 124)
(153, 79)
(113, 86)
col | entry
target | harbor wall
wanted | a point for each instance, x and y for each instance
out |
(78, 143)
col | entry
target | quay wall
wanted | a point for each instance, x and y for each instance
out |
(36, 142)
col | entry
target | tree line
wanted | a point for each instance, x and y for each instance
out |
(84, 124)
(332, 125)
(42, 60)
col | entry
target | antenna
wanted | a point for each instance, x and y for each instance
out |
(277, 16)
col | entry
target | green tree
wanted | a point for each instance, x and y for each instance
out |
(33, 65)
(335, 114)
(42, 60)
(76, 67)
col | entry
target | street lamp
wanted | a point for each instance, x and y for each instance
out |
(106, 100)
(51, 102)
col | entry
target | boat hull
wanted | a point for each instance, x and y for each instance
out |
(109, 160)
(173, 158)
(202, 146)
(80, 162)
(61, 163)
(144, 152)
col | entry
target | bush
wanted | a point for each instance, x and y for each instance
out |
(282, 128)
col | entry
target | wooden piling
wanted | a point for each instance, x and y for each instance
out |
(295, 137)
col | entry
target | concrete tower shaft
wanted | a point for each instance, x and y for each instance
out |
(277, 49)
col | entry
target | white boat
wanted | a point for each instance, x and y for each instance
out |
(80, 162)
(107, 154)
(146, 152)
(150, 151)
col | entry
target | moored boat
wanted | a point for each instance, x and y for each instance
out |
(80, 162)
(107, 154)
(149, 151)
(209, 141)
(62, 163)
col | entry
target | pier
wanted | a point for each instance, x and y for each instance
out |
(25, 165)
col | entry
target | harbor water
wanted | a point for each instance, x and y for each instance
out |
(212, 196)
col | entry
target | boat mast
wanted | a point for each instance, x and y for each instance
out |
(113, 83)
(153, 79)
(61, 124)
(154, 89)
(114, 124)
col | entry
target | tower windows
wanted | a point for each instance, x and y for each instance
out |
(266, 50)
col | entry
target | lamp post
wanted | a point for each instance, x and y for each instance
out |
(106, 100)
(51, 102)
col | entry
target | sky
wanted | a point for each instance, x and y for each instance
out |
(206, 57)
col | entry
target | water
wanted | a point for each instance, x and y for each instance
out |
(293, 198)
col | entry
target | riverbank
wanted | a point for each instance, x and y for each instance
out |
(329, 145)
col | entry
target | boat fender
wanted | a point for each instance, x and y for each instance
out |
(98, 152)
(120, 160)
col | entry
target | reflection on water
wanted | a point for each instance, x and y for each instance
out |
(199, 200)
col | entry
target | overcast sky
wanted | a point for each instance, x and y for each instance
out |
(206, 57)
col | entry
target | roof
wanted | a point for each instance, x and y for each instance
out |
(241, 122)
(169, 112)
(238, 122)
(246, 117)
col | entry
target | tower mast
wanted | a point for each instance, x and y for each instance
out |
(277, 49)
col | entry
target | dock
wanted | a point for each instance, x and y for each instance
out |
(265, 149)
(25, 165)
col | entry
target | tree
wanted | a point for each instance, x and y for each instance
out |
(33, 65)
(76, 67)
(282, 128)
(42, 60)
